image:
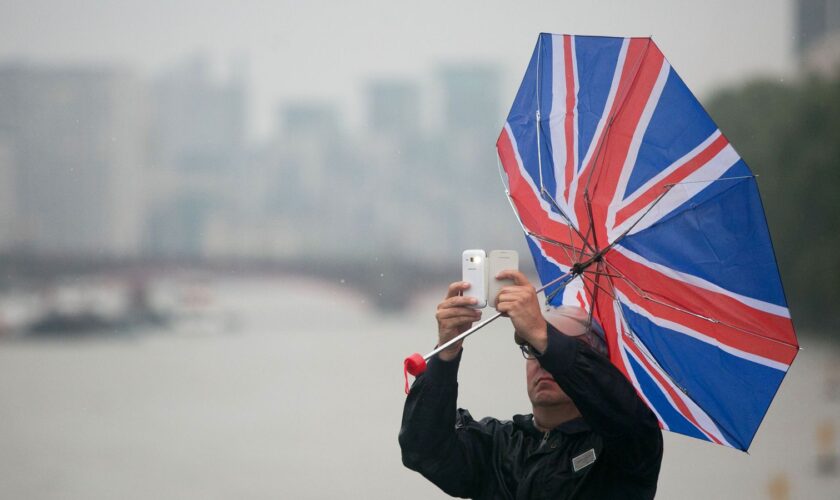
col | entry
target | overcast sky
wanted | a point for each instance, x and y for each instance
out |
(323, 49)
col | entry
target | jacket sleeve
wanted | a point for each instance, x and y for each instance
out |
(433, 436)
(608, 403)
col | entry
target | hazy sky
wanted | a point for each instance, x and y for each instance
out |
(323, 49)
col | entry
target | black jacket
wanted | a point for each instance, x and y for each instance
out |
(614, 451)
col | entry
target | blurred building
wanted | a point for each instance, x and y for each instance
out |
(198, 121)
(73, 146)
(472, 120)
(307, 200)
(310, 144)
(393, 108)
(818, 35)
(8, 202)
(471, 99)
(312, 119)
(197, 147)
(395, 176)
(95, 161)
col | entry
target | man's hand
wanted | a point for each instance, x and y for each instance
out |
(519, 302)
(454, 317)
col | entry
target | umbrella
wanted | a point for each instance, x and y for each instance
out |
(636, 207)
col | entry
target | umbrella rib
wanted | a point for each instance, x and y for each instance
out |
(700, 181)
(566, 250)
(647, 211)
(609, 247)
(546, 195)
(667, 189)
(556, 282)
(644, 294)
(591, 230)
(643, 349)
(602, 273)
(595, 283)
(551, 241)
(593, 294)
(538, 115)
(550, 297)
(527, 231)
(638, 342)
(650, 357)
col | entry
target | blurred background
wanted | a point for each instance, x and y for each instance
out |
(224, 224)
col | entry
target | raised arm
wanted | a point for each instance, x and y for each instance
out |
(607, 401)
(604, 397)
(436, 440)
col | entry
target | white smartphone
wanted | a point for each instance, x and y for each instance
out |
(474, 272)
(498, 261)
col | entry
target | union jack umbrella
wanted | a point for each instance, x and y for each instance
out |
(624, 184)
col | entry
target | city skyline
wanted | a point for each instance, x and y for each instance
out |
(97, 161)
(294, 51)
(204, 186)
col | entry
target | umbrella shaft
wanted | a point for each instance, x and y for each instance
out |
(462, 336)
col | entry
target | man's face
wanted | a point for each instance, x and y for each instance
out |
(542, 389)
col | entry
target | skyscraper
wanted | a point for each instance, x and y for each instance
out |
(75, 138)
(393, 108)
(198, 123)
(8, 208)
(198, 146)
(471, 99)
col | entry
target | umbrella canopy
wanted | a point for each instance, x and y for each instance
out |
(618, 175)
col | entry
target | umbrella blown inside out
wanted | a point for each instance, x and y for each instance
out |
(622, 182)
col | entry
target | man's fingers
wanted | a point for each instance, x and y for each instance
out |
(507, 309)
(458, 312)
(457, 323)
(455, 289)
(510, 293)
(517, 277)
(457, 301)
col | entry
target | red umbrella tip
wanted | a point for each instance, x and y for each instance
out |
(415, 364)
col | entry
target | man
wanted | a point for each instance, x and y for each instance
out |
(590, 436)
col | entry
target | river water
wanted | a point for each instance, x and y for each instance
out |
(294, 389)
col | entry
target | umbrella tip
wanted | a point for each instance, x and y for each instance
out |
(415, 364)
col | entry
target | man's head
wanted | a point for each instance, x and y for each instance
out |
(573, 322)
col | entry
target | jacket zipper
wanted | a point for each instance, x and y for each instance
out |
(545, 438)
